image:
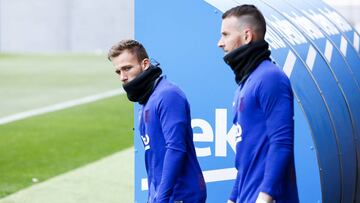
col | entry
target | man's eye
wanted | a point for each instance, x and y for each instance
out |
(117, 72)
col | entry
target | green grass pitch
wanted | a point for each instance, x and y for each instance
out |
(51, 144)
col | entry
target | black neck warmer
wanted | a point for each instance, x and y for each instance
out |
(141, 87)
(245, 59)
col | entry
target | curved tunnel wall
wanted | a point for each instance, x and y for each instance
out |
(315, 47)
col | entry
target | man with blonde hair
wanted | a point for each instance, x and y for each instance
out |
(174, 174)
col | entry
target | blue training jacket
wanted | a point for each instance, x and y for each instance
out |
(174, 174)
(263, 114)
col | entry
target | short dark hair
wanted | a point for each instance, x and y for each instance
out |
(133, 46)
(255, 17)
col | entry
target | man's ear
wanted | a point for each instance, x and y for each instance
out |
(145, 64)
(249, 36)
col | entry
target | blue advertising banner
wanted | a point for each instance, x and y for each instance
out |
(321, 60)
(182, 37)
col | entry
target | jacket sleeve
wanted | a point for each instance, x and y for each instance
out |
(173, 112)
(173, 159)
(276, 101)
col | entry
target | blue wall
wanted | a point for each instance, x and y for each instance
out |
(320, 59)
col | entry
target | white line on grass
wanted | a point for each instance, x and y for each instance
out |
(59, 106)
(100, 181)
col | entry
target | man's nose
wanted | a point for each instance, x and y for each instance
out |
(220, 44)
(123, 77)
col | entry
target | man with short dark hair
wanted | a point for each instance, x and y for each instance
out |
(174, 174)
(263, 112)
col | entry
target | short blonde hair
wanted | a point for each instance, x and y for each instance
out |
(133, 46)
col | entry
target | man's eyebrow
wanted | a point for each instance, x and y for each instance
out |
(125, 66)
